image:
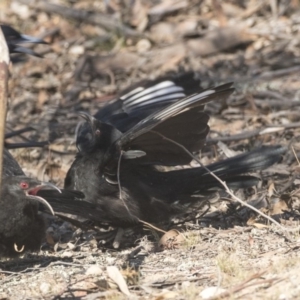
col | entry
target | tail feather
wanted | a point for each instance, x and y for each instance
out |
(179, 184)
(69, 202)
(72, 202)
(231, 170)
(256, 160)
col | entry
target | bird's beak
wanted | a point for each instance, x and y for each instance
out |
(90, 119)
(32, 193)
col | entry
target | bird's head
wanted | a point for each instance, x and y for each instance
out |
(94, 135)
(21, 186)
(21, 226)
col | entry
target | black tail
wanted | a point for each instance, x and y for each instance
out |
(231, 170)
(177, 185)
(256, 160)
(14, 38)
(68, 202)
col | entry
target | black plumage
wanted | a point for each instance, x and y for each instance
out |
(140, 100)
(110, 159)
(61, 201)
(14, 39)
(10, 166)
(22, 228)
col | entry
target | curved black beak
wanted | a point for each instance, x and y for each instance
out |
(87, 117)
(32, 194)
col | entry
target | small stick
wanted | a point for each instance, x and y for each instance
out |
(223, 183)
(4, 62)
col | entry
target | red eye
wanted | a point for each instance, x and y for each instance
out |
(24, 185)
(97, 132)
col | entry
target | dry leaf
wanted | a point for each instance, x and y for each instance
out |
(163, 32)
(211, 291)
(278, 208)
(260, 226)
(219, 40)
(171, 240)
(166, 295)
(94, 270)
(251, 222)
(271, 189)
(250, 241)
(167, 6)
(138, 17)
(168, 58)
(42, 98)
(114, 274)
(85, 284)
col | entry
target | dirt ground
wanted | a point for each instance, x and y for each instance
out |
(97, 48)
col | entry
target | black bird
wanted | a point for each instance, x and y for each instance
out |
(118, 170)
(14, 39)
(58, 201)
(22, 228)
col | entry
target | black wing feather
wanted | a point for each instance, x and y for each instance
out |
(184, 122)
(146, 97)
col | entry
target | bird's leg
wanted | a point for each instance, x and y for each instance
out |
(118, 238)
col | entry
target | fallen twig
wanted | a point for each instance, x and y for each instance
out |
(227, 188)
(4, 62)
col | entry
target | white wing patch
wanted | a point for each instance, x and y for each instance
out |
(178, 107)
(146, 100)
(163, 91)
(135, 91)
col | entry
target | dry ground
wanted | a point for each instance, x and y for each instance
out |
(97, 49)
